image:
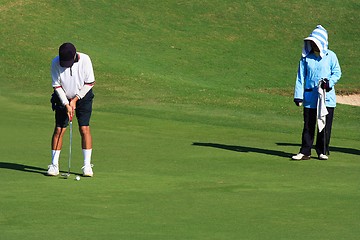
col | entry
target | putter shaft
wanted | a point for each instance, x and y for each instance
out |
(69, 161)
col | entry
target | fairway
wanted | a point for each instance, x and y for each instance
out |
(193, 122)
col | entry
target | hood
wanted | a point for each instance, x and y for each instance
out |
(320, 37)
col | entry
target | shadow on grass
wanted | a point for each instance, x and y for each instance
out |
(27, 168)
(332, 148)
(244, 149)
(270, 151)
(23, 168)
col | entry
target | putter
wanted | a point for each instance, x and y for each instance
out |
(326, 152)
(66, 175)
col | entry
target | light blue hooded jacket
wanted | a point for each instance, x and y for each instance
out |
(313, 68)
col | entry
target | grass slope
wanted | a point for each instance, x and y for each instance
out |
(193, 122)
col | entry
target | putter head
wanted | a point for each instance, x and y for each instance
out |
(65, 175)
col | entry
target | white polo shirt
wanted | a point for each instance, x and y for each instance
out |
(73, 79)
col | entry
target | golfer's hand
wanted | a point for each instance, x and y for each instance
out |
(70, 111)
(73, 102)
(298, 102)
(325, 84)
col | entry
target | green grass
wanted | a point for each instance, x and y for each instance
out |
(193, 122)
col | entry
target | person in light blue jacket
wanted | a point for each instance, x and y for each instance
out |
(318, 64)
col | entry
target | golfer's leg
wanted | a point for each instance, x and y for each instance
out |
(86, 141)
(57, 138)
(86, 138)
(56, 144)
(329, 122)
(62, 121)
(308, 131)
(320, 136)
(83, 114)
(320, 142)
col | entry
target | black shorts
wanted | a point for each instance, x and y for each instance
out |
(83, 110)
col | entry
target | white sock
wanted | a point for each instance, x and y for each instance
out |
(55, 156)
(87, 156)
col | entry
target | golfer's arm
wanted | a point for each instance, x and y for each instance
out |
(299, 84)
(85, 89)
(335, 72)
(62, 95)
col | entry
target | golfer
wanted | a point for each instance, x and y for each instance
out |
(318, 64)
(72, 79)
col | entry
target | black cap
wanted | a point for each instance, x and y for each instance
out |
(67, 53)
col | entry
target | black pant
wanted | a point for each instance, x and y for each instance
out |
(83, 110)
(308, 133)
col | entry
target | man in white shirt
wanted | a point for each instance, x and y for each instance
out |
(72, 79)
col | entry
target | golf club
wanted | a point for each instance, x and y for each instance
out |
(66, 175)
(324, 92)
(325, 147)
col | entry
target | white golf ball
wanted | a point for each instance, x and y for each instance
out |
(77, 178)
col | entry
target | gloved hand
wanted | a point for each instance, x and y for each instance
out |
(325, 84)
(298, 102)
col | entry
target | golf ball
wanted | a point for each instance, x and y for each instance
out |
(77, 178)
